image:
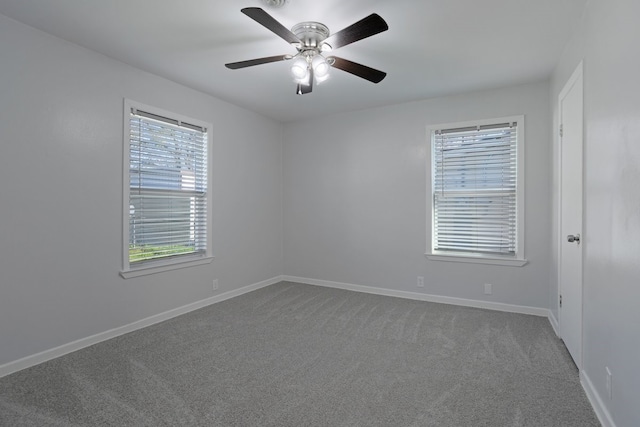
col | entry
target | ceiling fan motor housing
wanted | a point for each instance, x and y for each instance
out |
(311, 34)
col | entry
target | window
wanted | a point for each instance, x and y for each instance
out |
(166, 190)
(477, 192)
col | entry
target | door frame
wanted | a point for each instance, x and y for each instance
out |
(577, 73)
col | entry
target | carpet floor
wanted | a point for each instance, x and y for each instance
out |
(300, 355)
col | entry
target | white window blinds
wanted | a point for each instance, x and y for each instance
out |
(167, 188)
(474, 189)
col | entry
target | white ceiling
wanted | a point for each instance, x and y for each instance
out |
(432, 48)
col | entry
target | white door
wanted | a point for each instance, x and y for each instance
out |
(571, 238)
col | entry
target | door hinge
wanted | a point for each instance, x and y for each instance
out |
(561, 131)
(560, 301)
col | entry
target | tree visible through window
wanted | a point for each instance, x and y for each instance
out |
(167, 188)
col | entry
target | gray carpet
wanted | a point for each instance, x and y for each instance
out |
(299, 355)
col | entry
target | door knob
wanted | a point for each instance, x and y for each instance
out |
(571, 238)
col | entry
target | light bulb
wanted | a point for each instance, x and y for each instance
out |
(320, 67)
(299, 69)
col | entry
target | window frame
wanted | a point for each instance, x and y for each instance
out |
(516, 260)
(170, 263)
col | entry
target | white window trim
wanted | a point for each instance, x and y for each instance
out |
(159, 266)
(478, 258)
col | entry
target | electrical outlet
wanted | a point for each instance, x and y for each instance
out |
(487, 289)
(608, 383)
(216, 285)
(420, 281)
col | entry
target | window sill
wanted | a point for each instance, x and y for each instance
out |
(164, 266)
(477, 259)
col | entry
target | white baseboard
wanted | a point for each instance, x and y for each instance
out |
(35, 359)
(554, 323)
(596, 401)
(511, 308)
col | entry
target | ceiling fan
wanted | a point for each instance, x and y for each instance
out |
(312, 41)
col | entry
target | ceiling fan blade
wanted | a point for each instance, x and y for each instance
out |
(366, 27)
(367, 73)
(257, 61)
(269, 22)
(302, 89)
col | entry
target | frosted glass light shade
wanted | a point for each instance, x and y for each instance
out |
(299, 69)
(320, 66)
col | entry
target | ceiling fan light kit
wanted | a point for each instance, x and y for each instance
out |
(309, 56)
(312, 39)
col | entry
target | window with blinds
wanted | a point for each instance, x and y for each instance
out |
(167, 212)
(475, 190)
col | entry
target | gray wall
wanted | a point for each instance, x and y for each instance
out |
(350, 190)
(355, 198)
(608, 42)
(61, 112)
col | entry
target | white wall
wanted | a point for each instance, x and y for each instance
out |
(61, 109)
(608, 42)
(355, 198)
(353, 201)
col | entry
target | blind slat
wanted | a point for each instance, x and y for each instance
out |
(167, 187)
(474, 189)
